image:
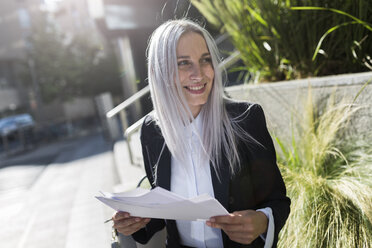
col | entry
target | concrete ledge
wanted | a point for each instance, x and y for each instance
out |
(129, 175)
(316, 82)
(284, 101)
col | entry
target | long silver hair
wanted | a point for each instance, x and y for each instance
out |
(173, 116)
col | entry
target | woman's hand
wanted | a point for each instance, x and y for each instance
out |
(127, 224)
(241, 226)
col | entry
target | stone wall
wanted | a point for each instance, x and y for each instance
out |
(9, 99)
(283, 101)
(80, 107)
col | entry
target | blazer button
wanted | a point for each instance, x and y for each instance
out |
(231, 200)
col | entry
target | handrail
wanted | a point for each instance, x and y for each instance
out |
(128, 102)
(229, 61)
(135, 126)
(221, 38)
(128, 134)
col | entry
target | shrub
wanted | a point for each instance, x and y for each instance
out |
(278, 42)
(328, 178)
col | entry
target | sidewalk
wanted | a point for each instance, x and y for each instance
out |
(42, 154)
(59, 208)
(45, 152)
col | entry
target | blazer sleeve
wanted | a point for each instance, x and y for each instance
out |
(268, 185)
(145, 234)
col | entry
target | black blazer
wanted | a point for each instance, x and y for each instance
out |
(258, 184)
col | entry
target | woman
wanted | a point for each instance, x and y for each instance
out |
(201, 142)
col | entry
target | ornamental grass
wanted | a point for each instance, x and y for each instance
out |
(328, 176)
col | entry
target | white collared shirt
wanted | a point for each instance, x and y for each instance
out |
(197, 181)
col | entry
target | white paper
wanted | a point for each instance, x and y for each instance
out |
(163, 204)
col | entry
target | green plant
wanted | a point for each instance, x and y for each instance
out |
(278, 43)
(365, 59)
(328, 178)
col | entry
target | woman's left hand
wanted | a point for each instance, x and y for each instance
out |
(241, 226)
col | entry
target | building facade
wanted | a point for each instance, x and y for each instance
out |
(16, 19)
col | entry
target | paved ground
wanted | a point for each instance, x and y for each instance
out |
(50, 201)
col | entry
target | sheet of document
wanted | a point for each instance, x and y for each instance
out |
(163, 204)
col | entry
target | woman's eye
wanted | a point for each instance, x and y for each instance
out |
(183, 63)
(207, 60)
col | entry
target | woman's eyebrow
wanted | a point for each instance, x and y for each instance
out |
(187, 57)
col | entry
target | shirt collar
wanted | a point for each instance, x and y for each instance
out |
(198, 123)
(196, 126)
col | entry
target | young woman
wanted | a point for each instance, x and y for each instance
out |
(201, 142)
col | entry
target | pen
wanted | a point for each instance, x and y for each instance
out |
(107, 221)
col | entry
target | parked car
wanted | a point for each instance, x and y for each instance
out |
(11, 124)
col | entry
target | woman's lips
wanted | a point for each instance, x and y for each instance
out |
(196, 89)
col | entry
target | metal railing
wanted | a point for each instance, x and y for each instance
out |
(128, 134)
(128, 102)
(120, 109)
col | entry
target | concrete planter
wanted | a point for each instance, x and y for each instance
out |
(281, 99)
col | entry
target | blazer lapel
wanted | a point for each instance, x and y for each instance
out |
(221, 183)
(221, 187)
(164, 169)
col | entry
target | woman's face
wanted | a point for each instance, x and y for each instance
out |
(195, 70)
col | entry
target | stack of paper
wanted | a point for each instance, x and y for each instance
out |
(163, 204)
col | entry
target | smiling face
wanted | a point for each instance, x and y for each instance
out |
(195, 70)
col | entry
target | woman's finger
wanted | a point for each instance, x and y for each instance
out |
(227, 219)
(129, 230)
(121, 223)
(120, 215)
(229, 227)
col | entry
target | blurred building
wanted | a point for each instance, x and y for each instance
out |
(17, 17)
(123, 24)
(72, 18)
(15, 22)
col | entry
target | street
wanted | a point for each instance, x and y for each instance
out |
(49, 201)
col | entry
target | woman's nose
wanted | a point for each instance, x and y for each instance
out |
(196, 73)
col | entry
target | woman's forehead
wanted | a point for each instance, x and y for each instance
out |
(191, 42)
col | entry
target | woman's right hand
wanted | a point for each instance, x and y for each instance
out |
(126, 224)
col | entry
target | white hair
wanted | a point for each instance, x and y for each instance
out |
(220, 132)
